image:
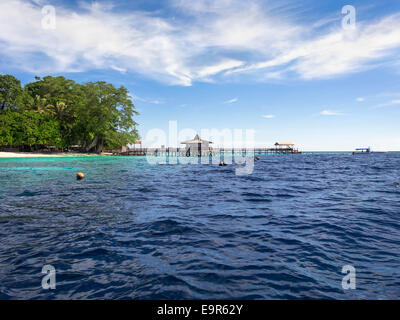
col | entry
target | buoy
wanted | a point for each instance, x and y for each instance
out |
(221, 163)
(398, 186)
(80, 176)
(258, 158)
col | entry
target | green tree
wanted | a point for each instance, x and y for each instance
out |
(53, 89)
(29, 129)
(7, 125)
(11, 93)
(58, 111)
(106, 117)
(58, 97)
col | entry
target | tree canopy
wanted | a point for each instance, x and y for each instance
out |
(11, 93)
(60, 112)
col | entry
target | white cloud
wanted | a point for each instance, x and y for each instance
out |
(204, 41)
(388, 104)
(268, 116)
(232, 100)
(207, 71)
(331, 113)
(122, 70)
(360, 99)
(337, 52)
(147, 100)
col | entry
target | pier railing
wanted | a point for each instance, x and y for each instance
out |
(182, 152)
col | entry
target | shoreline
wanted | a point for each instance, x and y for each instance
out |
(44, 155)
(5, 155)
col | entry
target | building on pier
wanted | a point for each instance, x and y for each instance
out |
(283, 148)
(197, 146)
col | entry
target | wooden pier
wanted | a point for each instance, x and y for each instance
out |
(200, 148)
(284, 148)
(182, 152)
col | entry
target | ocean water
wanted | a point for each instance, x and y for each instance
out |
(132, 230)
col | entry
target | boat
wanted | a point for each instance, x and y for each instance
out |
(365, 151)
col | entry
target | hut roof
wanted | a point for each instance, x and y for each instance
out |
(196, 139)
(284, 144)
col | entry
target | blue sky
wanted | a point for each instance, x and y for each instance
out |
(290, 71)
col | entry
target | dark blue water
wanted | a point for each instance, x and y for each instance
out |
(135, 231)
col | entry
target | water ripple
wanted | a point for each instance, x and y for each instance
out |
(135, 231)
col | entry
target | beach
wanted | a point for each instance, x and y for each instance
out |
(40, 155)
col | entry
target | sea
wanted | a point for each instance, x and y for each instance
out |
(307, 226)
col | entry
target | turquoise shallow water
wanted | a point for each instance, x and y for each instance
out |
(131, 230)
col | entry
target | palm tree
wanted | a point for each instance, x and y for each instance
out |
(40, 105)
(60, 109)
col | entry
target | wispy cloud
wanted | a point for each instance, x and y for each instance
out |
(146, 100)
(205, 41)
(388, 104)
(268, 116)
(232, 100)
(331, 113)
(360, 99)
(122, 70)
(336, 52)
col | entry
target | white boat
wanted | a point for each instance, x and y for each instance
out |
(365, 151)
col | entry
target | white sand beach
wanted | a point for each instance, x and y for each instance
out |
(37, 155)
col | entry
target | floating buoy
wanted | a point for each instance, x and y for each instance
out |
(258, 158)
(221, 163)
(80, 176)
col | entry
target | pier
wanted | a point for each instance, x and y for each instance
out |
(182, 152)
(284, 148)
(200, 148)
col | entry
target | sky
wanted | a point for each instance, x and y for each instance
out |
(317, 73)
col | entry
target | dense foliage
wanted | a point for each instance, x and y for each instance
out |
(55, 111)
